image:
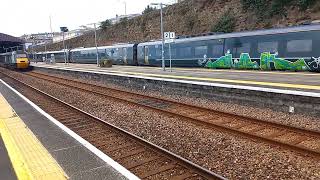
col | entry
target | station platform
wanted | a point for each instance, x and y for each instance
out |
(242, 79)
(288, 92)
(34, 146)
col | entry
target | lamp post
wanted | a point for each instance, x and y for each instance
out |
(162, 32)
(63, 30)
(125, 7)
(95, 41)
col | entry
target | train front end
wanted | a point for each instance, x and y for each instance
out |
(22, 61)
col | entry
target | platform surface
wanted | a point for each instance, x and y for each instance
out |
(75, 160)
(6, 169)
(299, 81)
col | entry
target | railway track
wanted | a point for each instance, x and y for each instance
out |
(301, 140)
(144, 159)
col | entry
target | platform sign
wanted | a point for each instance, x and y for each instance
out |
(169, 35)
(169, 38)
(167, 41)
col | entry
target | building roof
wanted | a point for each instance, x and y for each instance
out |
(8, 38)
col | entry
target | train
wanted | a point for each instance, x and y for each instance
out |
(284, 49)
(15, 60)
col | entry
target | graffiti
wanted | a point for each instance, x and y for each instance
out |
(203, 61)
(316, 61)
(245, 62)
(225, 62)
(267, 61)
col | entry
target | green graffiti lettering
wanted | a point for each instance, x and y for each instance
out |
(268, 61)
(245, 62)
(224, 62)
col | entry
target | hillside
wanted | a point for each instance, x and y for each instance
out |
(201, 16)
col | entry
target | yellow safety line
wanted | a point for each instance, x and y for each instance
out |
(286, 85)
(245, 82)
(248, 71)
(29, 158)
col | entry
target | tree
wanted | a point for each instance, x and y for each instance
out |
(105, 24)
(226, 23)
(148, 9)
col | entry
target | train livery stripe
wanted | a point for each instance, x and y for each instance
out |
(29, 158)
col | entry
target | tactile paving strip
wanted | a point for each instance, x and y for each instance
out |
(29, 158)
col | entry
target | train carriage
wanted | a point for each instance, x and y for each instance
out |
(119, 54)
(15, 60)
(293, 48)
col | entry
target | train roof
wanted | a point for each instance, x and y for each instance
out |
(5, 54)
(51, 52)
(243, 34)
(103, 47)
(11, 52)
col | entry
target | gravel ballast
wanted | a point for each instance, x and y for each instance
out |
(231, 156)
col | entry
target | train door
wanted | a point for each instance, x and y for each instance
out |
(135, 54)
(146, 55)
(125, 57)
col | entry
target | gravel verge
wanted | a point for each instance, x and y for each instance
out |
(265, 114)
(229, 155)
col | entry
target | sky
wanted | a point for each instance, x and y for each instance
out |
(33, 16)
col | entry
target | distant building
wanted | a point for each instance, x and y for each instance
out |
(38, 38)
(118, 18)
(71, 34)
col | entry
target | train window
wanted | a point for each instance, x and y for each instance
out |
(158, 51)
(242, 48)
(200, 50)
(299, 46)
(217, 50)
(21, 55)
(173, 51)
(271, 47)
(185, 52)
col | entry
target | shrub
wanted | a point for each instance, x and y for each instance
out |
(226, 23)
(148, 9)
(267, 8)
(106, 63)
(304, 4)
(105, 24)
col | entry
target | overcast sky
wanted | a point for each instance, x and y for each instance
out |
(32, 16)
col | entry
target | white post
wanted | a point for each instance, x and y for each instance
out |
(95, 40)
(45, 50)
(64, 50)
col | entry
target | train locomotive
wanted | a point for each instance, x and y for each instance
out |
(15, 60)
(285, 49)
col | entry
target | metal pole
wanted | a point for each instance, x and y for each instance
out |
(95, 40)
(64, 50)
(162, 37)
(45, 51)
(170, 56)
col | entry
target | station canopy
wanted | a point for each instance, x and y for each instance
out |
(7, 41)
